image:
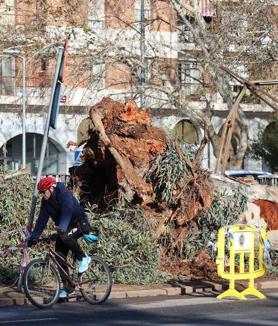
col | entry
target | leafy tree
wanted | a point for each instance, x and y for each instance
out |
(266, 147)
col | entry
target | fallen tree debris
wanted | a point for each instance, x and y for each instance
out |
(127, 162)
(14, 174)
(269, 212)
(156, 208)
(137, 162)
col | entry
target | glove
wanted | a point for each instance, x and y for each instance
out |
(84, 226)
(90, 238)
(53, 237)
(31, 242)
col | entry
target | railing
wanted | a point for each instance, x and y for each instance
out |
(64, 178)
(270, 180)
(60, 177)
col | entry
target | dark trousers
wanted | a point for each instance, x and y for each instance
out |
(68, 242)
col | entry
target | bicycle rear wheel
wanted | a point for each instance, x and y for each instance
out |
(96, 283)
(41, 283)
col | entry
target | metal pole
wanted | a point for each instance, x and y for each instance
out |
(45, 137)
(23, 112)
(142, 54)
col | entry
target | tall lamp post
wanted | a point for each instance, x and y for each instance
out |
(16, 54)
(142, 54)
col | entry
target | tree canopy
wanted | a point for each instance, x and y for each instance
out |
(266, 147)
(169, 59)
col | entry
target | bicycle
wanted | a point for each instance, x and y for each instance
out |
(22, 246)
(41, 279)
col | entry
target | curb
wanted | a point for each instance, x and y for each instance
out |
(10, 297)
(143, 292)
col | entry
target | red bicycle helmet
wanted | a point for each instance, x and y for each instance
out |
(46, 183)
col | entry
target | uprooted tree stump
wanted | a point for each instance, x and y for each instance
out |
(127, 160)
(120, 146)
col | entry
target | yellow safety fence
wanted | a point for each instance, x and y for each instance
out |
(242, 247)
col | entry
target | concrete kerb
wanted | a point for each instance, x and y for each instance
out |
(133, 291)
(9, 296)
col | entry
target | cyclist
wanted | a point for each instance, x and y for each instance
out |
(71, 220)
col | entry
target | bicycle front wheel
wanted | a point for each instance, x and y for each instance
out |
(41, 283)
(96, 283)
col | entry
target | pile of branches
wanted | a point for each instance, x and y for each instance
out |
(128, 247)
(16, 196)
(129, 241)
(182, 189)
(193, 256)
(16, 189)
(126, 236)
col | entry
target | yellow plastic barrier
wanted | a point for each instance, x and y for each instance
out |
(242, 242)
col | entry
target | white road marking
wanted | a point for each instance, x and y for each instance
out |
(26, 320)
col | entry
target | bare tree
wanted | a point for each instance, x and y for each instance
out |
(108, 60)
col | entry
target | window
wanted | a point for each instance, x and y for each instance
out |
(189, 77)
(7, 76)
(44, 65)
(96, 15)
(96, 76)
(7, 12)
(185, 35)
(137, 13)
(208, 8)
(96, 25)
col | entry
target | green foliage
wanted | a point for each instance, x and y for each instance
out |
(127, 244)
(127, 235)
(167, 170)
(266, 147)
(226, 209)
(16, 196)
(274, 261)
(15, 204)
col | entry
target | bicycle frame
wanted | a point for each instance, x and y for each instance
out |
(23, 263)
(53, 256)
(25, 257)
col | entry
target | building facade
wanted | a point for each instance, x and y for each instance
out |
(139, 49)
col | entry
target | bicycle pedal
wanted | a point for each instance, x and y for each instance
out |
(74, 298)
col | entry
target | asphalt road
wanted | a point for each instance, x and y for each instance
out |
(182, 310)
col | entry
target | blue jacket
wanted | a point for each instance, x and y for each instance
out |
(62, 207)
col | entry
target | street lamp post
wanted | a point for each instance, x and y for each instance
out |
(23, 111)
(142, 54)
(14, 54)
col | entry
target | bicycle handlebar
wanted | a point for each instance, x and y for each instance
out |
(53, 237)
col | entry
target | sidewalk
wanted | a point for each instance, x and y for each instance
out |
(9, 296)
